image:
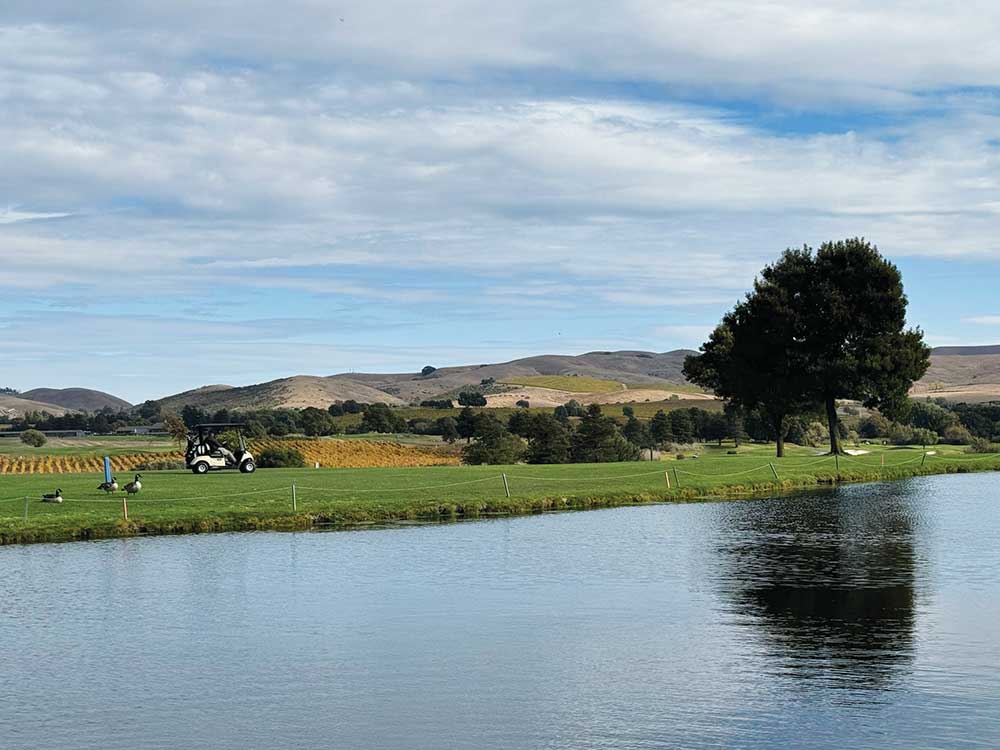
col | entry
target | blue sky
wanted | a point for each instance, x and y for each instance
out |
(255, 190)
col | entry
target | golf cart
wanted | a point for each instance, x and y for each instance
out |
(205, 453)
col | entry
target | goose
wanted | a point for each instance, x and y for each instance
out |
(109, 487)
(134, 486)
(53, 497)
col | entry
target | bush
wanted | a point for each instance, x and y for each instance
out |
(816, 434)
(471, 398)
(495, 447)
(957, 435)
(900, 434)
(981, 445)
(873, 426)
(381, 418)
(34, 438)
(282, 457)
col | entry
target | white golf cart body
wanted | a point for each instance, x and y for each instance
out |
(205, 453)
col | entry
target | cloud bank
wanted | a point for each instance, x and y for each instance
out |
(468, 170)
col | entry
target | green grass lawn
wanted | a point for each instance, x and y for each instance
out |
(179, 502)
(92, 445)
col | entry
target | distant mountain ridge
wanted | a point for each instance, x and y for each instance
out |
(965, 351)
(969, 373)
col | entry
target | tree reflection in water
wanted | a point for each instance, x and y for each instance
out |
(828, 581)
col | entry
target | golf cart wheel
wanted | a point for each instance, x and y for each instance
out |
(248, 467)
(200, 468)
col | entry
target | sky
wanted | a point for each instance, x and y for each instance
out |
(231, 192)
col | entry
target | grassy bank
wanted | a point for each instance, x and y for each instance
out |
(179, 502)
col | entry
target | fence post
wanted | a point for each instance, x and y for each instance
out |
(295, 505)
(666, 475)
(506, 487)
(125, 506)
(677, 479)
(773, 471)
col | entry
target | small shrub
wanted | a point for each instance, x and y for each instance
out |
(957, 435)
(981, 445)
(281, 457)
(34, 438)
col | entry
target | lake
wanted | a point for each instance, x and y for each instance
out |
(866, 616)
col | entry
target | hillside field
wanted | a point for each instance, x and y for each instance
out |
(570, 383)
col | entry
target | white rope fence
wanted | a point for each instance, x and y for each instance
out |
(491, 478)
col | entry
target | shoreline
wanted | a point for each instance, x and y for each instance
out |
(353, 514)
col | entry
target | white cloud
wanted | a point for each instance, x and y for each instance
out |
(10, 215)
(484, 158)
(985, 320)
(840, 50)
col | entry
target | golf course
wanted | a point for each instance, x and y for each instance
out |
(175, 502)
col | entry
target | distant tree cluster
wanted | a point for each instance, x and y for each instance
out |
(929, 422)
(9, 392)
(441, 403)
(592, 437)
(103, 422)
(542, 438)
(471, 398)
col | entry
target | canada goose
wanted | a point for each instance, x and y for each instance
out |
(55, 497)
(134, 486)
(109, 487)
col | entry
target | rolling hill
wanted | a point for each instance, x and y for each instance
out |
(77, 399)
(962, 373)
(959, 373)
(14, 406)
(618, 369)
(632, 368)
(295, 392)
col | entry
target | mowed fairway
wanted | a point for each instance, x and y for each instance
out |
(179, 502)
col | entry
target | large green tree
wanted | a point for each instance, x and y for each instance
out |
(854, 328)
(817, 327)
(754, 358)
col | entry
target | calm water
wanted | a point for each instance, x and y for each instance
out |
(865, 617)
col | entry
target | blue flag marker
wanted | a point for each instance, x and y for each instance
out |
(107, 469)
